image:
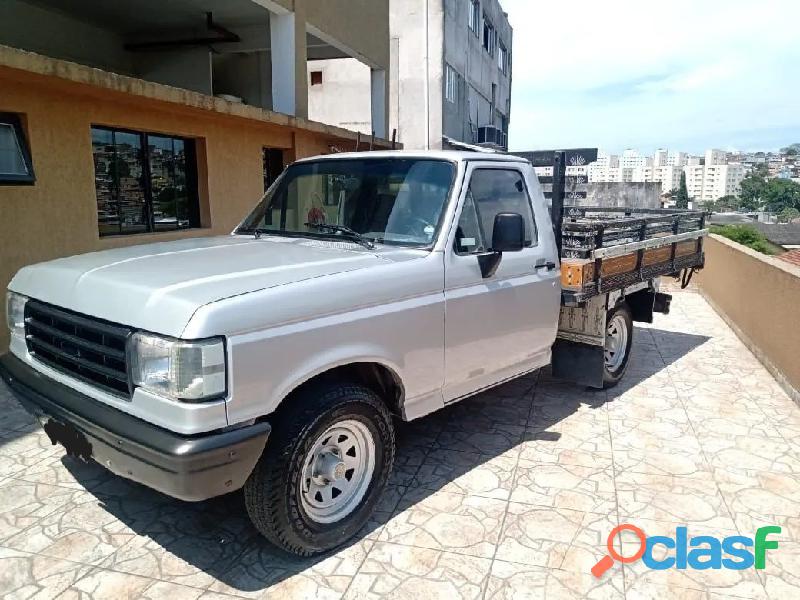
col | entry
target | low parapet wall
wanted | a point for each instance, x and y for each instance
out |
(759, 297)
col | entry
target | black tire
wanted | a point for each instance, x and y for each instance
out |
(612, 377)
(272, 492)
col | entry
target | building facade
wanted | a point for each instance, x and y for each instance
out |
(707, 178)
(450, 76)
(129, 123)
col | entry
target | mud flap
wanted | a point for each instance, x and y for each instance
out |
(661, 303)
(641, 304)
(578, 363)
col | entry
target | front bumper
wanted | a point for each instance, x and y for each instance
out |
(191, 468)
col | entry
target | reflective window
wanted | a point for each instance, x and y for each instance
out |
(451, 84)
(474, 15)
(389, 201)
(15, 160)
(489, 34)
(144, 182)
(492, 191)
(502, 58)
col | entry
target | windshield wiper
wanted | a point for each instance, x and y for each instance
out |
(351, 233)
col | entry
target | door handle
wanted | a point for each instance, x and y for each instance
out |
(549, 264)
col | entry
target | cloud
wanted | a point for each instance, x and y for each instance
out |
(686, 74)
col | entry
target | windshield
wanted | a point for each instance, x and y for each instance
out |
(386, 200)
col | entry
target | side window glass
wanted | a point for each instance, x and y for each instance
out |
(493, 191)
(469, 238)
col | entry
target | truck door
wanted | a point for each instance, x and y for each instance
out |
(503, 325)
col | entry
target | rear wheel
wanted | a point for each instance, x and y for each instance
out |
(617, 349)
(324, 468)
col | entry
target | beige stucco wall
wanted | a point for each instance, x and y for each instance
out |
(57, 216)
(759, 296)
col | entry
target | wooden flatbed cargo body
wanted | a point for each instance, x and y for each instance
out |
(607, 249)
(611, 260)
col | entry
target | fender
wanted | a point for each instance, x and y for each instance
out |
(329, 359)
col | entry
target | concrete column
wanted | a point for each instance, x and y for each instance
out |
(379, 104)
(288, 53)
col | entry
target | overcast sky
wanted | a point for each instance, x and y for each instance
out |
(684, 74)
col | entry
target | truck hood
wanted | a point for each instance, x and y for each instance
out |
(158, 287)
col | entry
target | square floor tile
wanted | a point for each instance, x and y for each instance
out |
(263, 571)
(399, 572)
(575, 487)
(446, 521)
(468, 473)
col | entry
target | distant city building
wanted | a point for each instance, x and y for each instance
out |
(669, 176)
(631, 159)
(716, 157)
(707, 178)
(678, 159)
(712, 181)
(450, 87)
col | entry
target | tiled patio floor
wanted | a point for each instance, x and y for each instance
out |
(508, 495)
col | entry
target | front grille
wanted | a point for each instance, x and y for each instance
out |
(84, 347)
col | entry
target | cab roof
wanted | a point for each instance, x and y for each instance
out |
(450, 155)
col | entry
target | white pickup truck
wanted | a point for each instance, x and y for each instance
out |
(362, 288)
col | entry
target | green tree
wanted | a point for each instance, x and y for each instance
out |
(752, 195)
(761, 169)
(682, 197)
(745, 235)
(788, 214)
(781, 193)
(791, 150)
(724, 204)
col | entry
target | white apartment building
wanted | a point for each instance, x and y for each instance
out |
(629, 167)
(677, 159)
(716, 157)
(720, 180)
(694, 180)
(665, 158)
(669, 176)
(572, 170)
(704, 182)
(631, 159)
(599, 169)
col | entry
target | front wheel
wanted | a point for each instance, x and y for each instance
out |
(617, 349)
(324, 468)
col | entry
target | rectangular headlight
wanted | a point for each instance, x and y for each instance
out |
(15, 313)
(191, 371)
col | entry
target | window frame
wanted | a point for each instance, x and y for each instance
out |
(474, 16)
(15, 122)
(502, 57)
(492, 36)
(192, 182)
(493, 167)
(449, 85)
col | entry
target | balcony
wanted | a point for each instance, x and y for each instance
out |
(250, 52)
(513, 491)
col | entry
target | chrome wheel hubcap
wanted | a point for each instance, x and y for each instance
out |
(616, 342)
(337, 471)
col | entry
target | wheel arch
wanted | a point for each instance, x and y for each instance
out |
(374, 373)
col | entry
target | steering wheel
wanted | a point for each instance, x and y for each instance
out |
(418, 225)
